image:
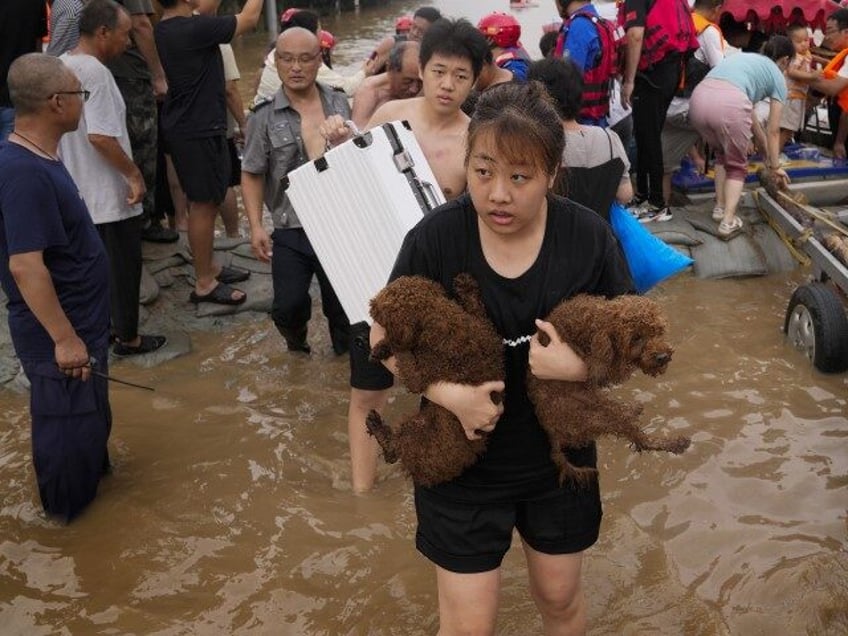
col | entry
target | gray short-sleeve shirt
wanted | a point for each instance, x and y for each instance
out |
(273, 147)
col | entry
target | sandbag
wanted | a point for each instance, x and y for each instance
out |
(677, 231)
(650, 259)
(737, 257)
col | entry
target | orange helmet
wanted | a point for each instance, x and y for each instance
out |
(403, 24)
(501, 29)
(327, 39)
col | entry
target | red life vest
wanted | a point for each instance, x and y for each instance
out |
(516, 60)
(668, 30)
(597, 78)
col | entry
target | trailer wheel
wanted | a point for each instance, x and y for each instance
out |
(816, 325)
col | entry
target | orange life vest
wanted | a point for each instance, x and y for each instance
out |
(831, 70)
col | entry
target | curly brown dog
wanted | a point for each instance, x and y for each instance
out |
(434, 339)
(614, 338)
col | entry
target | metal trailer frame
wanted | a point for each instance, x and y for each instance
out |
(816, 320)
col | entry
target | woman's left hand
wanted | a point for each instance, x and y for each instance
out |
(557, 360)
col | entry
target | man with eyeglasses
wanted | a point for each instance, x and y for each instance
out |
(282, 134)
(55, 273)
(98, 154)
(835, 79)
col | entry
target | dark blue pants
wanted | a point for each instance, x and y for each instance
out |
(293, 264)
(71, 422)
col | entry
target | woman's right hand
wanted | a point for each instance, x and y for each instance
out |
(472, 405)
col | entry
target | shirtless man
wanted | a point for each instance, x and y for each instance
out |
(451, 57)
(400, 81)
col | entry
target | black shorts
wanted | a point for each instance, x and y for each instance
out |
(203, 167)
(364, 374)
(235, 163)
(467, 538)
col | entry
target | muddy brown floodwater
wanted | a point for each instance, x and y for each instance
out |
(230, 512)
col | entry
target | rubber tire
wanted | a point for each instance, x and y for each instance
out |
(829, 322)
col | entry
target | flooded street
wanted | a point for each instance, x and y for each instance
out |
(229, 510)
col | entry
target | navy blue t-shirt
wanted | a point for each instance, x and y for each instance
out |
(579, 254)
(41, 210)
(195, 105)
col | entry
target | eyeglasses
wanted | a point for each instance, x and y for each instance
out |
(84, 94)
(302, 60)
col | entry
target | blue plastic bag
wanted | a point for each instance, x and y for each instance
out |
(649, 258)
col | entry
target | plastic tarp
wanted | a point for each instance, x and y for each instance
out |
(770, 16)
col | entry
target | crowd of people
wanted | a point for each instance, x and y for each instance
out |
(129, 118)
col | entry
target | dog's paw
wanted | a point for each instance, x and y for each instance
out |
(381, 351)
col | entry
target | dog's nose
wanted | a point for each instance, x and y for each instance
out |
(662, 358)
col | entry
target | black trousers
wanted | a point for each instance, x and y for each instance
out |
(652, 94)
(293, 264)
(122, 240)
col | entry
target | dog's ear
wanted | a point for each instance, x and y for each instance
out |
(403, 334)
(600, 357)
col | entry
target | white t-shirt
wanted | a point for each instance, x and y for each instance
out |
(103, 188)
(843, 70)
(231, 73)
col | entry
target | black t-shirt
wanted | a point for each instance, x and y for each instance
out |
(578, 254)
(22, 24)
(635, 12)
(195, 105)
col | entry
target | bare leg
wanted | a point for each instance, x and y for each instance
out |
(468, 603)
(555, 584)
(178, 197)
(363, 448)
(732, 194)
(666, 187)
(201, 228)
(720, 178)
(230, 213)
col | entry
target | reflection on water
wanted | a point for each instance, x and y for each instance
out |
(229, 508)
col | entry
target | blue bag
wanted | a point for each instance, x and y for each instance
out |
(649, 258)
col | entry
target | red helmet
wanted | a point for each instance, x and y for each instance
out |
(501, 29)
(403, 24)
(327, 39)
(286, 15)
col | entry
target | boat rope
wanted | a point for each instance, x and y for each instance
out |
(791, 244)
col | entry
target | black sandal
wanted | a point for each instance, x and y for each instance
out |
(230, 275)
(148, 344)
(221, 294)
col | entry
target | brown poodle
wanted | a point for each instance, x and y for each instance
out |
(614, 338)
(434, 339)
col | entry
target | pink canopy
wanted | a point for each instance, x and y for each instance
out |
(775, 15)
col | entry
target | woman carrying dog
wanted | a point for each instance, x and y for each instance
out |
(528, 250)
